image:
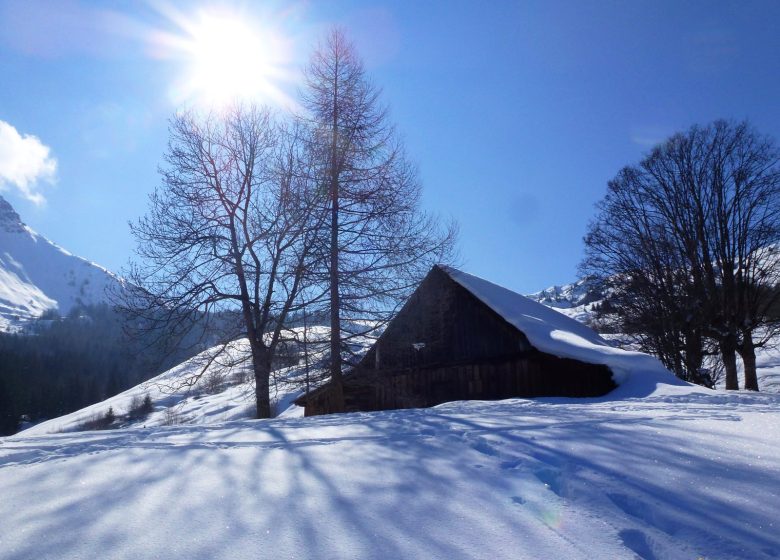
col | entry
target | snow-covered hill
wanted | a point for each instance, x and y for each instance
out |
(180, 391)
(36, 275)
(681, 473)
(215, 386)
(655, 469)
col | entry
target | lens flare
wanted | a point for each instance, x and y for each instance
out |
(228, 57)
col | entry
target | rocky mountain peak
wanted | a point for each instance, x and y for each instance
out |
(9, 220)
(581, 292)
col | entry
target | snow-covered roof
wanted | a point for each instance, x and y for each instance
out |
(554, 333)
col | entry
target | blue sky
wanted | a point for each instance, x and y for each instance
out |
(517, 113)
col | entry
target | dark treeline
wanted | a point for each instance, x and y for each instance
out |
(63, 364)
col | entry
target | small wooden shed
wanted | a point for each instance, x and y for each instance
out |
(461, 337)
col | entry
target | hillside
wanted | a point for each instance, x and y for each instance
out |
(656, 469)
(681, 473)
(37, 275)
(222, 373)
(224, 391)
(214, 386)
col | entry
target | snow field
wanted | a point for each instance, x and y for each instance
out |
(657, 469)
(673, 475)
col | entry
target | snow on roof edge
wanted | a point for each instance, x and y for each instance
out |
(554, 333)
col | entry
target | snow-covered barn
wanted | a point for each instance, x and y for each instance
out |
(461, 337)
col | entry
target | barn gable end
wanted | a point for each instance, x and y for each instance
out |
(443, 323)
(447, 344)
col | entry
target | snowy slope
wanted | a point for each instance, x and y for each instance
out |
(549, 331)
(681, 475)
(178, 399)
(215, 386)
(36, 275)
(768, 369)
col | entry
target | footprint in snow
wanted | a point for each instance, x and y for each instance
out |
(509, 465)
(485, 448)
(638, 543)
(551, 478)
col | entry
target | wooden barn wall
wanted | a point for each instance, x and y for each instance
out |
(452, 325)
(531, 375)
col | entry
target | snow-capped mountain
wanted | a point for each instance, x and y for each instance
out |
(37, 275)
(575, 300)
(580, 292)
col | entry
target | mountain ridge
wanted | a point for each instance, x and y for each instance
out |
(575, 299)
(38, 276)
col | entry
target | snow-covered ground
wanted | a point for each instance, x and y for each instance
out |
(682, 473)
(657, 469)
(768, 369)
(215, 386)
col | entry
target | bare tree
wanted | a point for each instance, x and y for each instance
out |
(655, 299)
(745, 194)
(378, 243)
(229, 235)
(714, 194)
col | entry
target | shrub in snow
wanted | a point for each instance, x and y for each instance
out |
(241, 375)
(99, 421)
(140, 407)
(172, 417)
(213, 381)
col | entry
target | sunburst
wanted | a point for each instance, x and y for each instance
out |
(229, 57)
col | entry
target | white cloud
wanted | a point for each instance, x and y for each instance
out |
(25, 163)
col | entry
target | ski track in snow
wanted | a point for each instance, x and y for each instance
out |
(665, 477)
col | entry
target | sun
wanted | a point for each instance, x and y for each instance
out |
(230, 58)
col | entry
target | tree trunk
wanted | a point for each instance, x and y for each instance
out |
(728, 350)
(335, 301)
(748, 353)
(694, 357)
(335, 304)
(262, 370)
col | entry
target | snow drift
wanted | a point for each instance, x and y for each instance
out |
(671, 476)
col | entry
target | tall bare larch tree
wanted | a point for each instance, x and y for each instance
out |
(378, 243)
